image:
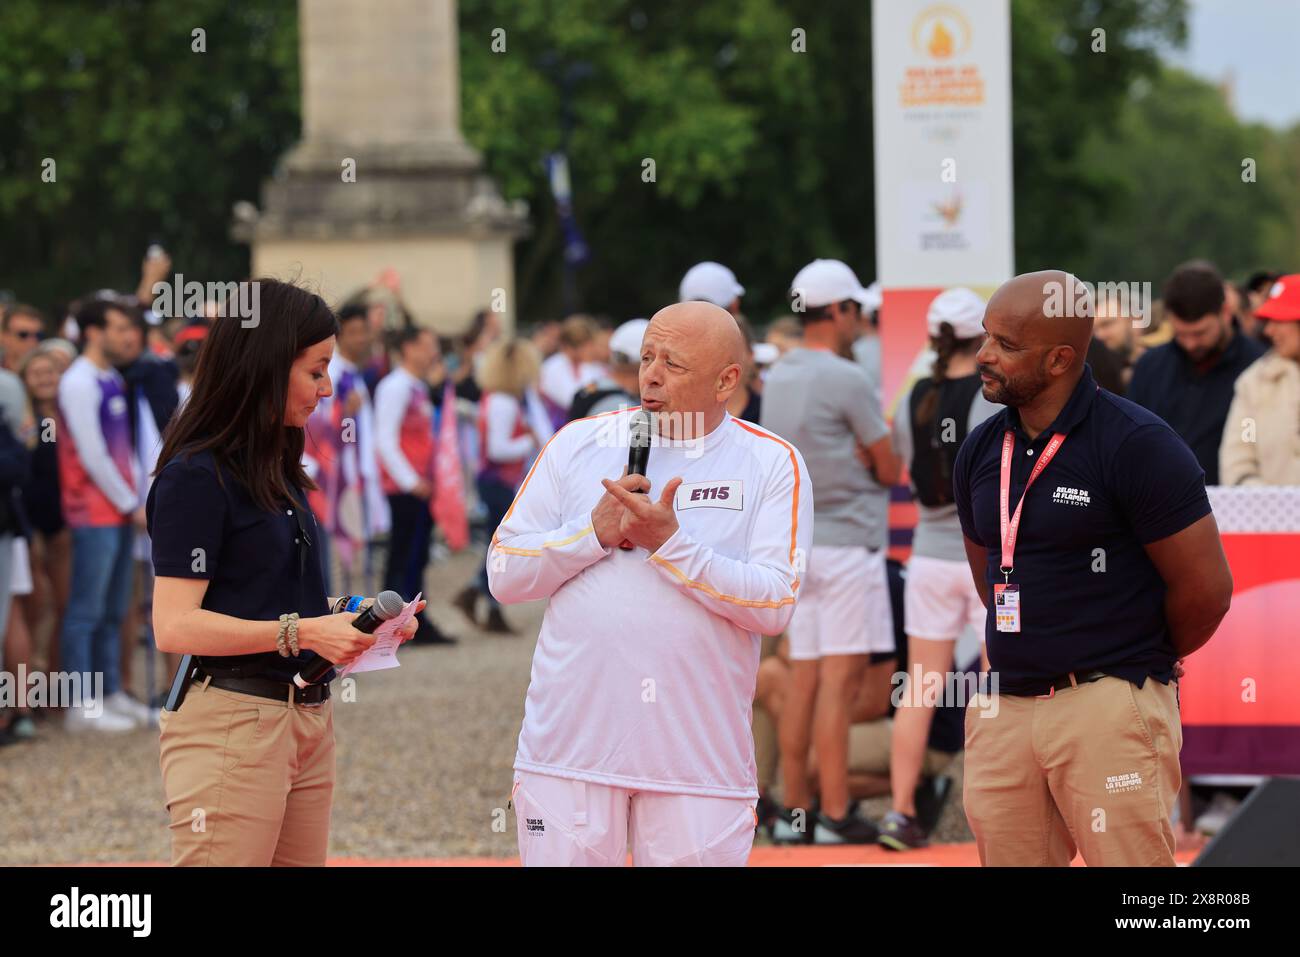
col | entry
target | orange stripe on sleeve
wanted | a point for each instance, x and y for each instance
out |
(730, 599)
(794, 464)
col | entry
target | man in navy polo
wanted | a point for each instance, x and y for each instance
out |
(1091, 540)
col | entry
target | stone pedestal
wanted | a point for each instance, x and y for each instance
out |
(381, 95)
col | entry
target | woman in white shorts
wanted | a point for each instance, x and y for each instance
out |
(940, 599)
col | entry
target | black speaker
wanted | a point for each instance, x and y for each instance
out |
(1265, 831)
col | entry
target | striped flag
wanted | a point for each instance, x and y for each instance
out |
(448, 501)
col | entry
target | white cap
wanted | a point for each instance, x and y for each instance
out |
(712, 282)
(626, 340)
(765, 353)
(872, 298)
(960, 308)
(824, 281)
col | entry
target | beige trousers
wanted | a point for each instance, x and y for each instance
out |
(248, 780)
(1093, 768)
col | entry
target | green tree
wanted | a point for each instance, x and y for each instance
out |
(764, 155)
(1064, 91)
(1189, 180)
(150, 139)
(711, 94)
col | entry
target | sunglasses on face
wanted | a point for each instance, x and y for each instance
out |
(25, 334)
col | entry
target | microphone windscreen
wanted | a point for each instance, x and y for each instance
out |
(639, 429)
(388, 604)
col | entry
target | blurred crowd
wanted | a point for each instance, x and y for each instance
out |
(426, 439)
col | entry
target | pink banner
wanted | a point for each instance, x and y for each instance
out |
(1240, 697)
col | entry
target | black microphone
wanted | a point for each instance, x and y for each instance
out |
(638, 454)
(387, 605)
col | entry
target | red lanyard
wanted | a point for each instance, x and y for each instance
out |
(1011, 523)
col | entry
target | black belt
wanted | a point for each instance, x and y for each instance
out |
(1060, 684)
(268, 688)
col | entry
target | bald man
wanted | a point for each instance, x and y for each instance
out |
(637, 721)
(1091, 541)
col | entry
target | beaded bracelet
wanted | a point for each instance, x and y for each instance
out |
(279, 637)
(292, 635)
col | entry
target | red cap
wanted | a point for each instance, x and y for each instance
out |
(1283, 302)
(188, 334)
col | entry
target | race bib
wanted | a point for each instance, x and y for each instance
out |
(725, 494)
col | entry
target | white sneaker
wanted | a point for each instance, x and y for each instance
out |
(123, 705)
(80, 719)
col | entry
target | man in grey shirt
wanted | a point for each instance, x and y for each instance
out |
(823, 402)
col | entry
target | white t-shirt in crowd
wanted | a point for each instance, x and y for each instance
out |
(560, 381)
(644, 671)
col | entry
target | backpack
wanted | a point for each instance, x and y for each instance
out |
(587, 398)
(932, 457)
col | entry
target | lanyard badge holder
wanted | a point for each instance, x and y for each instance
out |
(1006, 596)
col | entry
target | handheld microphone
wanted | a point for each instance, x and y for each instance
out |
(387, 605)
(638, 454)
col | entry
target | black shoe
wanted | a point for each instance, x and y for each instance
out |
(931, 797)
(427, 633)
(467, 601)
(849, 829)
(898, 832)
(496, 622)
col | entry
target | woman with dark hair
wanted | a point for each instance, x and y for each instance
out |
(940, 600)
(248, 756)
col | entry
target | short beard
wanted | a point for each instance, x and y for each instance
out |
(1216, 350)
(1016, 392)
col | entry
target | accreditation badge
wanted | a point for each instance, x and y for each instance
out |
(1006, 607)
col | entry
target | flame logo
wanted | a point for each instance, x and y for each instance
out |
(940, 42)
(941, 32)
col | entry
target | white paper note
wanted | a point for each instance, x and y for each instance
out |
(383, 653)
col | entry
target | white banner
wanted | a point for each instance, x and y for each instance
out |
(942, 92)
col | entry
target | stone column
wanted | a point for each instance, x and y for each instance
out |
(381, 96)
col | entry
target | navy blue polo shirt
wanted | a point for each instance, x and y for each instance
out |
(1121, 480)
(250, 556)
(1195, 403)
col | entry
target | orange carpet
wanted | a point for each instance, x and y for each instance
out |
(940, 855)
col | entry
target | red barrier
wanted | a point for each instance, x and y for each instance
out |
(1241, 695)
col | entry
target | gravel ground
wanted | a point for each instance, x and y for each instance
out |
(424, 761)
